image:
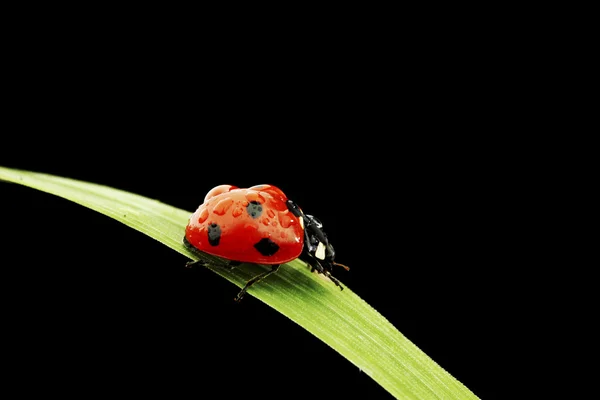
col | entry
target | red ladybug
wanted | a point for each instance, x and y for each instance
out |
(258, 225)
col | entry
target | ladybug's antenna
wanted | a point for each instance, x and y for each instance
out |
(347, 268)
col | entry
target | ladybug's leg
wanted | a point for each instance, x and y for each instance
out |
(191, 264)
(231, 264)
(316, 265)
(257, 278)
(333, 278)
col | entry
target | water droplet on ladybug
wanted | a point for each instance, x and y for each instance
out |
(284, 219)
(266, 221)
(237, 211)
(270, 213)
(277, 205)
(250, 227)
(222, 206)
(203, 215)
(253, 196)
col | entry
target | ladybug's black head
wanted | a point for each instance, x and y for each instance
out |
(317, 243)
(317, 250)
(315, 239)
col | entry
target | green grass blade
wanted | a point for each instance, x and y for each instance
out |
(341, 319)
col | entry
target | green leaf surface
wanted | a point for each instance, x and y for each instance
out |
(341, 319)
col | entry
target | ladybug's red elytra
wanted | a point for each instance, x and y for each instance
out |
(258, 225)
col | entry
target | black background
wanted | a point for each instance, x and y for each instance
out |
(404, 163)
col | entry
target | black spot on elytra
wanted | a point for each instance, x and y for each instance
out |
(266, 247)
(254, 209)
(214, 234)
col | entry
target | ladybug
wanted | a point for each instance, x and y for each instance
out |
(258, 225)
